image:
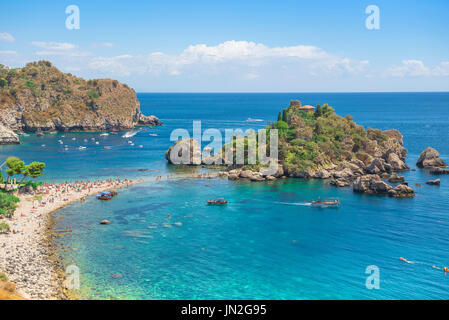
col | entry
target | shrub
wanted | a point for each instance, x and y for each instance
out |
(93, 94)
(33, 184)
(8, 204)
(3, 82)
(4, 228)
(3, 276)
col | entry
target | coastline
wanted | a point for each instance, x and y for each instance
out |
(29, 258)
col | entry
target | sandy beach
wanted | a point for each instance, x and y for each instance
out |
(26, 252)
(28, 258)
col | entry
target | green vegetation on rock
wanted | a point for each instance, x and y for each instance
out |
(310, 140)
(39, 97)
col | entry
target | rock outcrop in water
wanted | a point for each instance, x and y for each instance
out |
(436, 182)
(184, 152)
(430, 158)
(40, 98)
(375, 185)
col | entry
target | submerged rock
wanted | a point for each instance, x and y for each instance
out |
(430, 158)
(436, 182)
(439, 171)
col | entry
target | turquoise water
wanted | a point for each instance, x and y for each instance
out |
(268, 243)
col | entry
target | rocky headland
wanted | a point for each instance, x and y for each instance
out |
(40, 98)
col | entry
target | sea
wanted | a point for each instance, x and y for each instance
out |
(164, 242)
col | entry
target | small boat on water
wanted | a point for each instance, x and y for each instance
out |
(107, 195)
(153, 134)
(218, 202)
(325, 203)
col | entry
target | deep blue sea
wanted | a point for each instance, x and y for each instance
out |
(267, 243)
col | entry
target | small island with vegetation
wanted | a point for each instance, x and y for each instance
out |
(40, 98)
(317, 143)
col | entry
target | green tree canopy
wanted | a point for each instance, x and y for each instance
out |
(33, 170)
(8, 204)
(15, 166)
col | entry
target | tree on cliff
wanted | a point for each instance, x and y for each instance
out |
(3, 82)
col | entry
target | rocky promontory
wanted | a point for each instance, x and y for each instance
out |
(40, 98)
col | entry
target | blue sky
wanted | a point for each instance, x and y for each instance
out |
(202, 46)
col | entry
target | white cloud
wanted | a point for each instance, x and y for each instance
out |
(118, 65)
(102, 45)
(409, 68)
(251, 76)
(6, 37)
(227, 56)
(416, 68)
(53, 49)
(8, 53)
(54, 46)
(442, 69)
(63, 53)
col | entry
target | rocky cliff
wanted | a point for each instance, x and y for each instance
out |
(7, 136)
(39, 97)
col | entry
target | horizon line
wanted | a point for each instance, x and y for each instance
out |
(277, 92)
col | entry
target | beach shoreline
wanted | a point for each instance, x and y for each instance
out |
(29, 258)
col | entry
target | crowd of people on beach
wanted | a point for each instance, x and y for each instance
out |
(49, 193)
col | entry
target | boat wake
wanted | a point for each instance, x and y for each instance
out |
(254, 120)
(308, 204)
(130, 134)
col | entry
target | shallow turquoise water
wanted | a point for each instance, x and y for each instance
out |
(267, 243)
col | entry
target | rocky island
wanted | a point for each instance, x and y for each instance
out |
(40, 98)
(315, 142)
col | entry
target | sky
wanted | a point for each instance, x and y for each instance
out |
(236, 46)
